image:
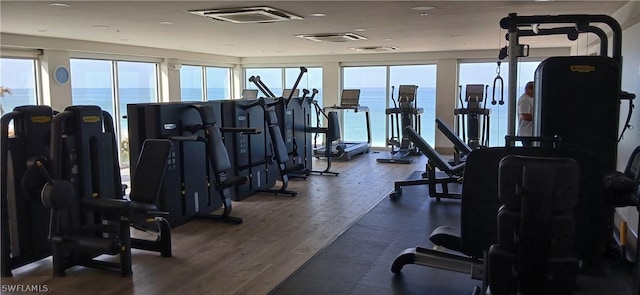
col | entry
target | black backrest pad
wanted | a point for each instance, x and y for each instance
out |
(216, 150)
(279, 148)
(152, 163)
(544, 177)
(272, 116)
(459, 143)
(333, 132)
(577, 98)
(480, 200)
(431, 153)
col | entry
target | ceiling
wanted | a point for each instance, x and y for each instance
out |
(450, 25)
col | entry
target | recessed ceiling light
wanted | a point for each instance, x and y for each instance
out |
(166, 22)
(360, 30)
(318, 14)
(59, 4)
(457, 36)
(374, 48)
(422, 8)
(101, 27)
(388, 39)
(424, 14)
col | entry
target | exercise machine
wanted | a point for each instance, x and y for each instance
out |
(569, 97)
(275, 149)
(480, 203)
(189, 189)
(448, 175)
(623, 189)
(475, 129)
(89, 216)
(534, 252)
(249, 94)
(219, 162)
(294, 116)
(331, 135)
(246, 149)
(405, 114)
(84, 157)
(461, 149)
(25, 220)
(350, 101)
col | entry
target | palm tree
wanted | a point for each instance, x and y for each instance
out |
(3, 90)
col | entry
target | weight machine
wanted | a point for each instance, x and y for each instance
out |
(25, 220)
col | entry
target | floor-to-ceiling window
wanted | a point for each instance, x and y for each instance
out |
(485, 73)
(92, 83)
(137, 83)
(423, 76)
(311, 80)
(218, 83)
(18, 82)
(112, 85)
(374, 83)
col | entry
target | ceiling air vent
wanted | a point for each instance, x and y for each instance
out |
(375, 48)
(262, 14)
(333, 37)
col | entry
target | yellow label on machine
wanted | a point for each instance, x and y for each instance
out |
(91, 119)
(41, 119)
(582, 68)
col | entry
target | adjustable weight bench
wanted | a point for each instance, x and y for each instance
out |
(453, 174)
(461, 148)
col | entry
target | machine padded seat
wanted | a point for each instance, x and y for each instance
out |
(446, 236)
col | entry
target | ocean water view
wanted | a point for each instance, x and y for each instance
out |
(354, 125)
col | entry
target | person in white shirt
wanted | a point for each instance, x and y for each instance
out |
(525, 111)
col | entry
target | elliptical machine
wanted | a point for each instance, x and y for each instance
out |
(404, 114)
(476, 115)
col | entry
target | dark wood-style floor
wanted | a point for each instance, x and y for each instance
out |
(279, 234)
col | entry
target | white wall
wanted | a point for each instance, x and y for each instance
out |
(58, 96)
(630, 83)
(446, 99)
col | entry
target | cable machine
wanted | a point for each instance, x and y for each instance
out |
(577, 98)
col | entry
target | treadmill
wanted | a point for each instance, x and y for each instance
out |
(249, 94)
(350, 100)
